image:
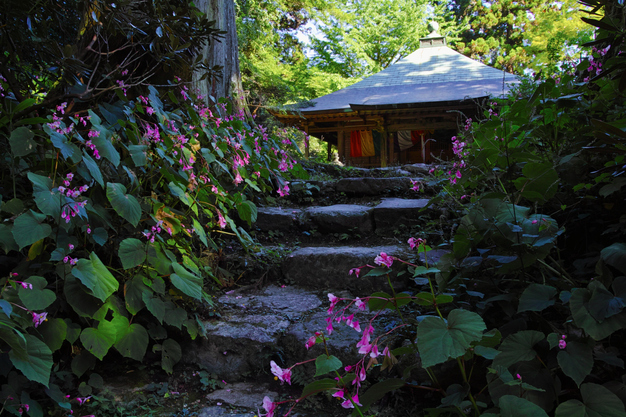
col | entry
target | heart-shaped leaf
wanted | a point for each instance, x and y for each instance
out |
(124, 204)
(29, 227)
(132, 253)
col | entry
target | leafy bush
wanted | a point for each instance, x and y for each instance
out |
(109, 220)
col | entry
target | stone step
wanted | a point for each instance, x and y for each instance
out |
(341, 218)
(269, 324)
(365, 186)
(329, 268)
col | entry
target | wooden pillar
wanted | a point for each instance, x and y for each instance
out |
(384, 148)
(306, 141)
(341, 144)
(329, 151)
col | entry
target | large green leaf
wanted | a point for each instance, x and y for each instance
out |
(77, 295)
(21, 141)
(37, 298)
(615, 255)
(133, 293)
(138, 154)
(133, 342)
(82, 363)
(598, 401)
(53, 332)
(99, 340)
(106, 149)
(378, 390)
(124, 204)
(155, 305)
(190, 284)
(576, 361)
(49, 202)
(512, 406)
(29, 227)
(539, 183)
(197, 227)
(518, 347)
(170, 355)
(39, 363)
(181, 193)
(7, 241)
(319, 386)
(132, 252)
(68, 149)
(578, 303)
(95, 276)
(437, 340)
(536, 297)
(247, 212)
(325, 364)
(93, 168)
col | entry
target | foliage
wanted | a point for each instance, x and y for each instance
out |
(109, 218)
(524, 316)
(515, 35)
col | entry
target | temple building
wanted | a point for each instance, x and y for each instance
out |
(405, 113)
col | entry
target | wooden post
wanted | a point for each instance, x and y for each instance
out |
(341, 145)
(306, 141)
(423, 149)
(329, 151)
(384, 149)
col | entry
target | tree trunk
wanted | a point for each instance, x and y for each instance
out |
(223, 53)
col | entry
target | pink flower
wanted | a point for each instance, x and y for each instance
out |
(268, 406)
(340, 394)
(309, 343)
(415, 185)
(39, 318)
(333, 302)
(238, 180)
(360, 304)
(329, 327)
(413, 243)
(221, 221)
(82, 400)
(562, 344)
(355, 271)
(70, 246)
(384, 259)
(534, 222)
(284, 375)
(353, 323)
(348, 403)
(374, 352)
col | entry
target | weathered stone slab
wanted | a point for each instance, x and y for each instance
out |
(276, 218)
(373, 186)
(249, 330)
(392, 212)
(240, 394)
(328, 267)
(341, 218)
(418, 169)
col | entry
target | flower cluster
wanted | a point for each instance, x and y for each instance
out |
(384, 259)
(154, 231)
(90, 145)
(39, 318)
(284, 375)
(595, 66)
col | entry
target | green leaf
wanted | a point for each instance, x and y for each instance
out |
(28, 228)
(197, 227)
(39, 298)
(132, 253)
(124, 204)
(536, 297)
(247, 212)
(325, 364)
(133, 293)
(49, 203)
(83, 303)
(378, 390)
(582, 317)
(170, 355)
(181, 193)
(512, 406)
(98, 340)
(96, 381)
(138, 154)
(7, 241)
(190, 284)
(615, 256)
(6, 307)
(155, 305)
(53, 332)
(319, 386)
(378, 301)
(72, 332)
(100, 236)
(518, 347)
(68, 149)
(93, 168)
(21, 141)
(540, 181)
(95, 276)
(598, 401)
(106, 149)
(133, 342)
(39, 363)
(576, 361)
(40, 183)
(486, 352)
(437, 340)
(83, 362)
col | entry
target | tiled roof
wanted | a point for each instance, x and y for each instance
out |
(428, 75)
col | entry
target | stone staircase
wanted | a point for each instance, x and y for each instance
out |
(260, 323)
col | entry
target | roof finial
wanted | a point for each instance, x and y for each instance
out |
(433, 27)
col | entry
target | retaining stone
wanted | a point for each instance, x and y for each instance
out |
(393, 212)
(341, 218)
(276, 218)
(373, 186)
